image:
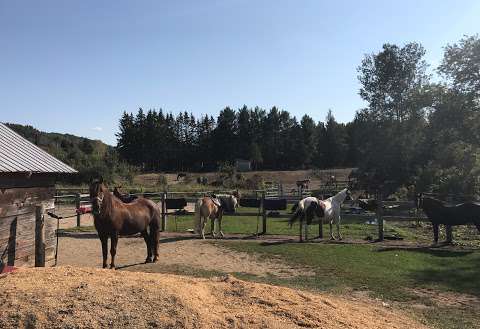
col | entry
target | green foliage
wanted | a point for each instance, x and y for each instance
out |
(461, 65)
(273, 140)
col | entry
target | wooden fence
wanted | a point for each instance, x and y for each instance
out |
(265, 203)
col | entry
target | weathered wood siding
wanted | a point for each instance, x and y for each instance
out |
(17, 221)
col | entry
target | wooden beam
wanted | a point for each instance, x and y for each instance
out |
(39, 237)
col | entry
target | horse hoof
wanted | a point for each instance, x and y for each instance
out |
(112, 267)
(155, 259)
(105, 266)
(148, 260)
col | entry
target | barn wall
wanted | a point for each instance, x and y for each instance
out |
(17, 220)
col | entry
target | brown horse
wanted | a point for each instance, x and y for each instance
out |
(213, 208)
(112, 218)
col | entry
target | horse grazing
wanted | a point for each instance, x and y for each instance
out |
(330, 207)
(124, 197)
(213, 207)
(112, 218)
(439, 213)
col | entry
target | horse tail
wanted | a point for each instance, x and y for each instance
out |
(156, 217)
(295, 216)
(197, 217)
(294, 208)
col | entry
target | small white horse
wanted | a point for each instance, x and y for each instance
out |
(330, 207)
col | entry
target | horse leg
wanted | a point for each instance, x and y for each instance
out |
(113, 248)
(338, 228)
(148, 242)
(220, 226)
(435, 233)
(331, 230)
(203, 222)
(449, 233)
(306, 229)
(212, 225)
(104, 241)
(155, 237)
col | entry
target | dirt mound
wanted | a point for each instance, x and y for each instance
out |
(68, 297)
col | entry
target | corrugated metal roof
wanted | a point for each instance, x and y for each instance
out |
(19, 155)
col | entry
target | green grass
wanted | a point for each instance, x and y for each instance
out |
(386, 273)
(275, 226)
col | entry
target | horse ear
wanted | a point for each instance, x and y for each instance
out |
(100, 180)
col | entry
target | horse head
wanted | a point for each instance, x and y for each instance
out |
(97, 190)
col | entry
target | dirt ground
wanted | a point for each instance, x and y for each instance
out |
(71, 297)
(188, 252)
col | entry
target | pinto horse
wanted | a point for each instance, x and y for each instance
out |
(439, 213)
(124, 197)
(213, 208)
(112, 218)
(330, 208)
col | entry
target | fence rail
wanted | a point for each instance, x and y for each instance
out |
(388, 210)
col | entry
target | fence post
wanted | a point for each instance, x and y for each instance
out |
(380, 215)
(39, 236)
(264, 215)
(77, 205)
(164, 211)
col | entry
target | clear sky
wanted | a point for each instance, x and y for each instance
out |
(75, 66)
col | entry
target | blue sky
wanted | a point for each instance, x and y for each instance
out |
(75, 66)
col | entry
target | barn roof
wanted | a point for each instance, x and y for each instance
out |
(19, 155)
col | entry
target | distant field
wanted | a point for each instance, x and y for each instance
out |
(287, 178)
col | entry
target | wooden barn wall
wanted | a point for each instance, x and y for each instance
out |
(17, 220)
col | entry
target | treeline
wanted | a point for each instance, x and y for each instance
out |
(273, 139)
(414, 133)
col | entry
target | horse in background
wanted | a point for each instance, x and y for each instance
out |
(112, 218)
(331, 210)
(440, 213)
(213, 207)
(124, 197)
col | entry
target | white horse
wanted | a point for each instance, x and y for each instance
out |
(329, 209)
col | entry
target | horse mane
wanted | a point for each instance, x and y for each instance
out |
(341, 194)
(108, 200)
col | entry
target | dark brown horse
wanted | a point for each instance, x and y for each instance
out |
(439, 213)
(112, 218)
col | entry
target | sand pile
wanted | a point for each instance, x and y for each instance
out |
(69, 297)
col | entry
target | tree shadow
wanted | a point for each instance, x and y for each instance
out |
(451, 269)
(457, 277)
(446, 253)
(129, 265)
